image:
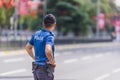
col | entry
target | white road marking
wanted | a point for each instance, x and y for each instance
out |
(21, 51)
(98, 55)
(70, 60)
(13, 72)
(108, 53)
(68, 53)
(103, 77)
(116, 71)
(86, 58)
(1, 55)
(14, 60)
(58, 54)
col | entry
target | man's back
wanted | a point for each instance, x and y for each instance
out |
(39, 40)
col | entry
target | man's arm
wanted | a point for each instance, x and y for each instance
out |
(48, 51)
(30, 50)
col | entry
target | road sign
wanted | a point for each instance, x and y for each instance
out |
(23, 7)
(101, 21)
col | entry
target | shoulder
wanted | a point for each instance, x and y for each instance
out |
(38, 32)
(50, 35)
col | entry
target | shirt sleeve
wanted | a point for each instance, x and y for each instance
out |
(31, 41)
(49, 40)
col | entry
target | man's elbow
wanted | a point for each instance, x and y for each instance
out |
(48, 52)
(28, 47)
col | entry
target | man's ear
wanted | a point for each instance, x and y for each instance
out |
(43, 23)
(55, 24)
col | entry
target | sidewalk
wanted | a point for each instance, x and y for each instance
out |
(64, 47)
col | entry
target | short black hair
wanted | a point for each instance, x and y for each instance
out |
(49, 20)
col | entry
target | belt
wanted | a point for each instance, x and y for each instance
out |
(41, 67)
(36, 66)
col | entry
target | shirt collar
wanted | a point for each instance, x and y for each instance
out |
(48, 31)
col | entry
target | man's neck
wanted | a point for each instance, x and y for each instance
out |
(49, 29)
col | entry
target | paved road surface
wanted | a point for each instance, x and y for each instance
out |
(78, 63)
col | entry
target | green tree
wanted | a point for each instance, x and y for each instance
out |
(67, 13)
(76, 15)
(5, 15)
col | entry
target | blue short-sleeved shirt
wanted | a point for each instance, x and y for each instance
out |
(39, 40)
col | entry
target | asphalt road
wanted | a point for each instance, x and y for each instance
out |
(77, 63)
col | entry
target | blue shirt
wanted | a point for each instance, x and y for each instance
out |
(39, 40)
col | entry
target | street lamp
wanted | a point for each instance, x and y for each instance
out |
(15, 19)
(97, 14)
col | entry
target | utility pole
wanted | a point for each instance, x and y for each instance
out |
(97, 14)
(45, 8)
(15, 19)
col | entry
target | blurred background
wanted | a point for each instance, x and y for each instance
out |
(87, 38)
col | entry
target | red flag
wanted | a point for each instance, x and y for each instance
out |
(1, 3)
(33, 4)
(23, 7)
(33, 13)
(10, 4)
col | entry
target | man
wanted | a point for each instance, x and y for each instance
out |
(43, 43)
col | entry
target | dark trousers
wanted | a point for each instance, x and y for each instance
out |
(41, 75)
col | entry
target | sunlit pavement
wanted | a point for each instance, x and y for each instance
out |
(95, 61)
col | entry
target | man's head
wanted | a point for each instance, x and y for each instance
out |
(49, 22)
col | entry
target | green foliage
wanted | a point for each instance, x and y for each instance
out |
(31, 23)
(72, 15)
(76, 15)
(5, 15)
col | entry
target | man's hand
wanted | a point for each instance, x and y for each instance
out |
(52, 63)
